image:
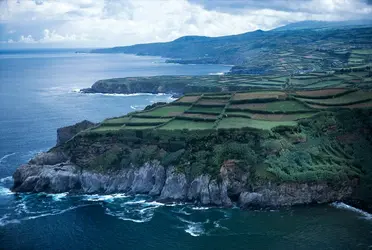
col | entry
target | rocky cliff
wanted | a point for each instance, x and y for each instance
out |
(66, 133)
(323, 159)
(52, 172)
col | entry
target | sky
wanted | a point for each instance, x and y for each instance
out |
(107, 23)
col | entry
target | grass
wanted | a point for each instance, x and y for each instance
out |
(238, 122)
(280, 106)
(271, 117)
(199, 116)
(103, 128)
(187, 124)
(201, 109)
(360, 105)
(139, 120)
(213, 102)
(206, 96)
(165, 111)
(118, 121)
(321, 93)
(138, 127)
(324, 84)
(188, 99)
(351, 98)
(259, 95)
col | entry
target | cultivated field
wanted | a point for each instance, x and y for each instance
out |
(257, 109)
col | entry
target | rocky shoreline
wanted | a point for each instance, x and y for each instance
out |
(53, 172)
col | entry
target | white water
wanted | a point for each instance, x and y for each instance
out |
(342, 205)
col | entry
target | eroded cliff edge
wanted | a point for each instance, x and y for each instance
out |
(324, 159)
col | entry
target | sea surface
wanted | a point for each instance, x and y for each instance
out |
(39, 93)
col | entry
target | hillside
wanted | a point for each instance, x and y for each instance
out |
(288, 50)
(257, 148)
(360, 77)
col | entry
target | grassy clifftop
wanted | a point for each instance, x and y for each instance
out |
(302, 136)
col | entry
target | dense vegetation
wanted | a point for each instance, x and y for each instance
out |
(282, 136)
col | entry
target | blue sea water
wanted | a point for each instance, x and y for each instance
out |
(39, 93)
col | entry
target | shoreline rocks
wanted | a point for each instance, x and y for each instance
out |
(45, 174)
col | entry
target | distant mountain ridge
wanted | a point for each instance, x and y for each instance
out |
(300, 47)
(325, 24)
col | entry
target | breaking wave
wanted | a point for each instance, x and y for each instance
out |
(217, 74)
(6, 156)
(122, 95)
(342, 205)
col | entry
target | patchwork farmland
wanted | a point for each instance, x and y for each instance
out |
(263, 110)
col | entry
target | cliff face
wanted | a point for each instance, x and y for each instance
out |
(53, 173)
(66, 133)
(324, 159)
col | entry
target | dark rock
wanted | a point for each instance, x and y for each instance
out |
(152, 178)
(49, 158)
(66, 133)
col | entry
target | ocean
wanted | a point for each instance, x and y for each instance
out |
(39, 92)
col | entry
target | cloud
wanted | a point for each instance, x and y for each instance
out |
(26, 39)
(103, 23)
(49, 37)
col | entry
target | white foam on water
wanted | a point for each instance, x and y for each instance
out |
(126, 95)
(194, 230)
(181, 211)
(76, 90)
(4, 221)
(7, 179)
(217, 225)
(342, 205)
(127, 216)
(55, 212)
(6, 156)
(200, 208)
(107, 197)
(135, 202)
(5, 191)
(155, 203)
(137, 107)
(22, 208)
(217, 74)
(58, 197)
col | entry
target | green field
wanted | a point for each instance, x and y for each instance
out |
(323, 93)
(270, 117)
(277, 106)
(139, 120)
(139, 127)
(238, 122)
(187, 124)
(351, 98)
(199, 116)
(259, 95)
(213, 102)
(201, 109)
(103, 128)
(166, 111)
(274, 108)
(117, 121)
(188, 99)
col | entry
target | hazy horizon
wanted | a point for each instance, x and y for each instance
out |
(107, 23)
